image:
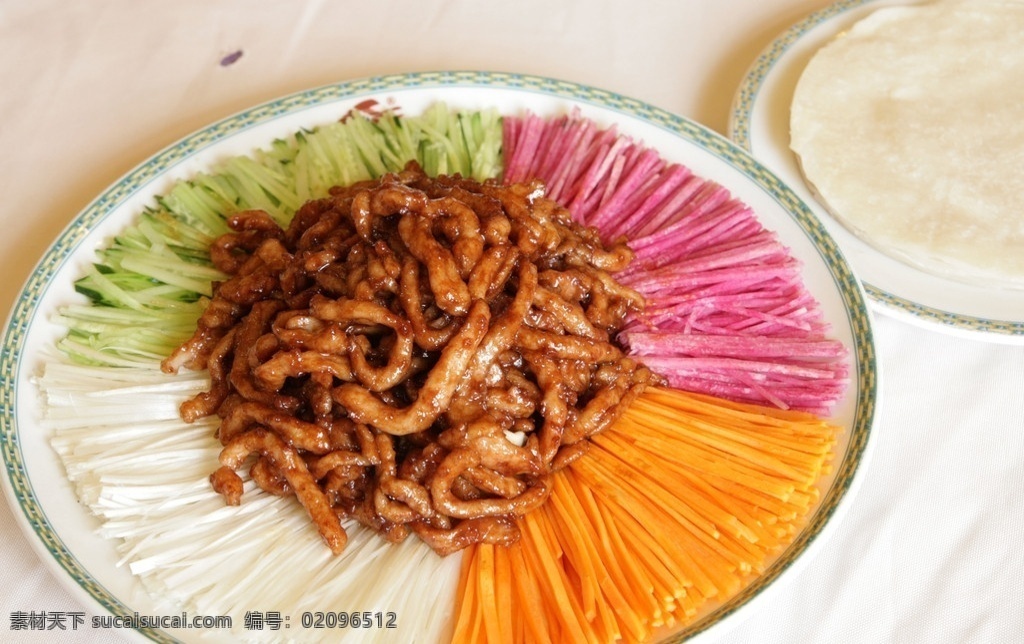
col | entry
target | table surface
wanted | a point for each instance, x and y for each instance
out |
(930, 549)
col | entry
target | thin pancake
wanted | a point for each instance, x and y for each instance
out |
(910, 128)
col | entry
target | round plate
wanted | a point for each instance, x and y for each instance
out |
(63, 530)
(759, 122)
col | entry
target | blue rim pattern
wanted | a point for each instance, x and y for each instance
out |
(739, 131)
(26, 307)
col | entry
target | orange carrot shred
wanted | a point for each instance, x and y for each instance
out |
(683, 500)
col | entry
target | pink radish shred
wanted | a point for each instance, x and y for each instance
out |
(726, 313)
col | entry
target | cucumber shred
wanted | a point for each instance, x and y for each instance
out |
(149, 285)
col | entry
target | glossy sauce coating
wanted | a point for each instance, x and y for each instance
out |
(417, 354)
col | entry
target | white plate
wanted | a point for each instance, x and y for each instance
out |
(63, 531)
(759, 123)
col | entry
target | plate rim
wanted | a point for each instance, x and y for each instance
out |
(743, 105)
(864, 377)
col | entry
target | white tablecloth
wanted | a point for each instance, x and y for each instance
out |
(932, 548)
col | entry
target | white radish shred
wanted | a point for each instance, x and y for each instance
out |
(143, 471)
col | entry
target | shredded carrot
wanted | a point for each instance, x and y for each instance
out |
(486, 588)
(526, 599)
(544, 553)
(675, 507)
(613, 584)
(503, 594)
(466, 621)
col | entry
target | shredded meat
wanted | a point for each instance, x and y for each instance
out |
(417, 354)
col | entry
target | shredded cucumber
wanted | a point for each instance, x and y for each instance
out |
(149, 285)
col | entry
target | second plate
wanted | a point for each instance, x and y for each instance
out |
(759, 122)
